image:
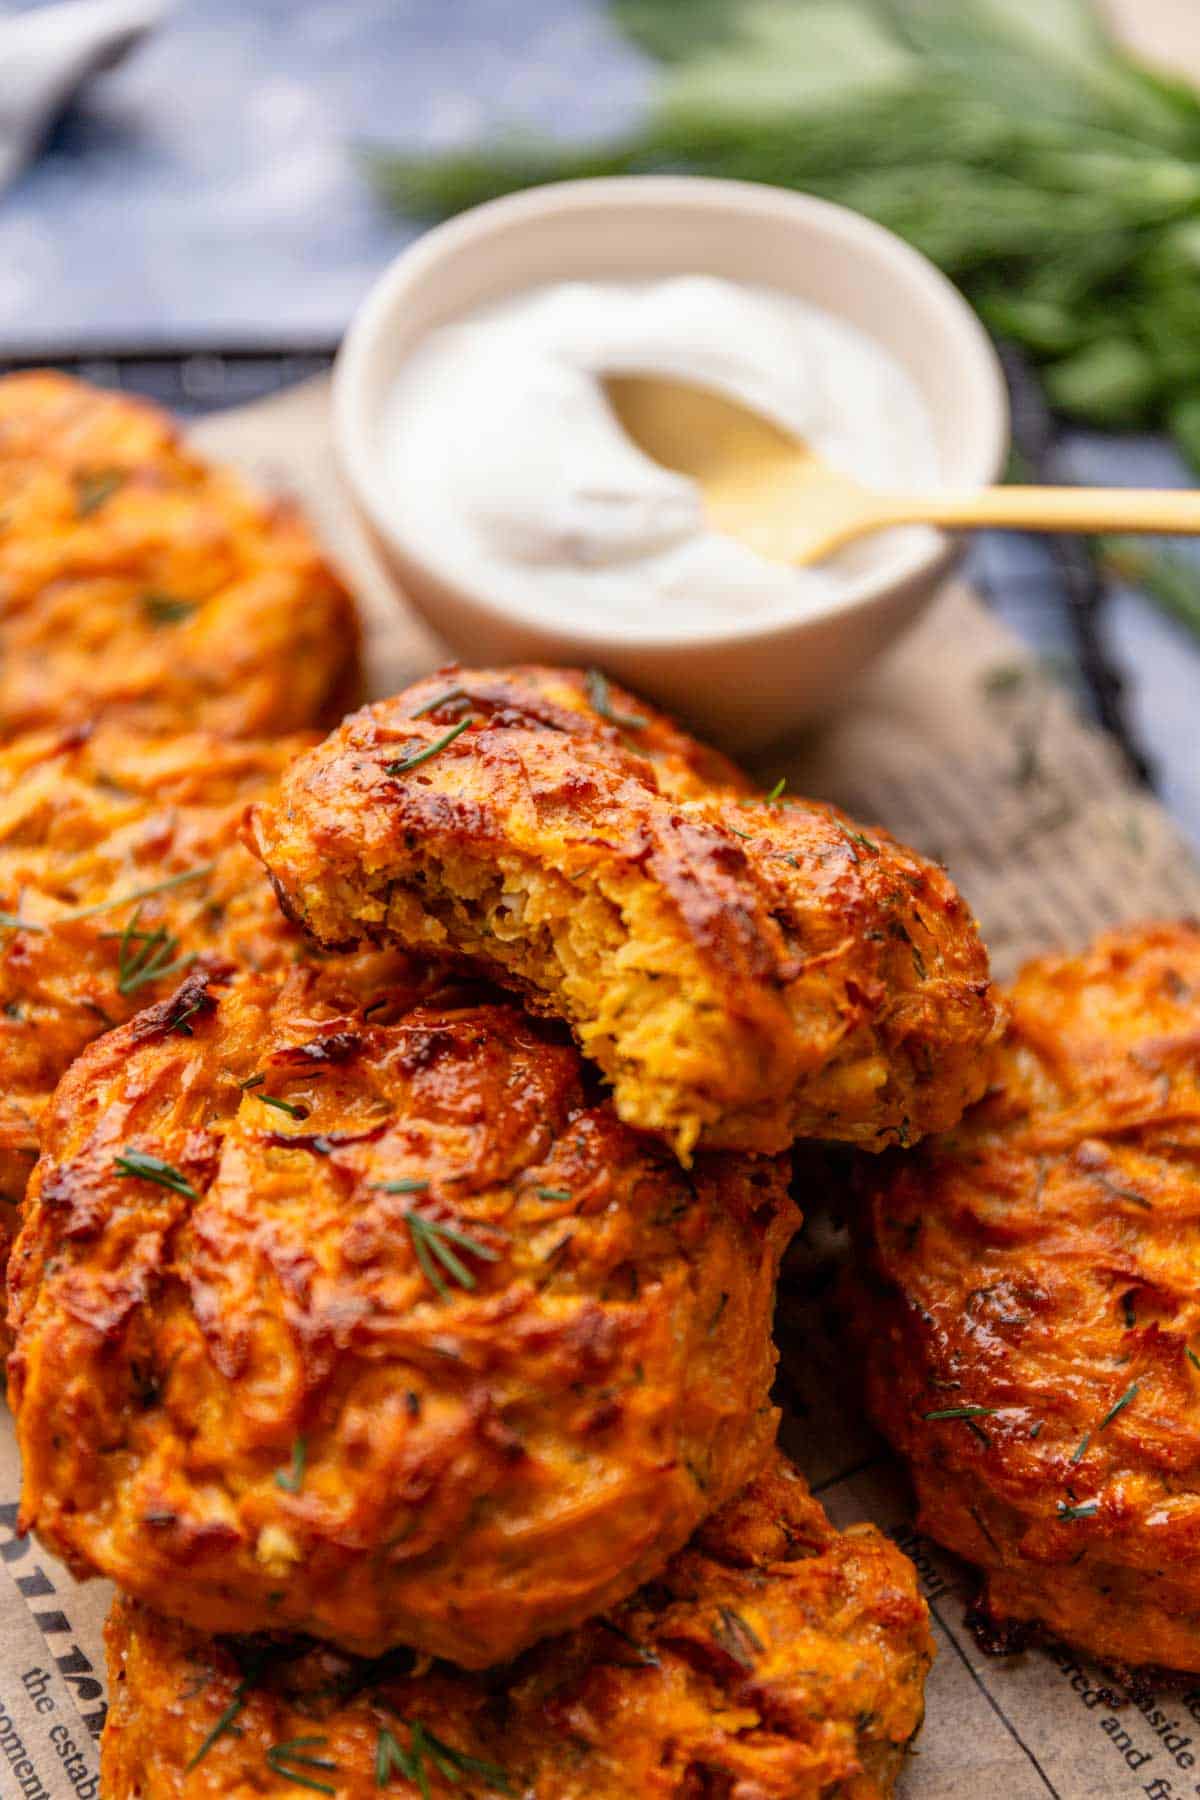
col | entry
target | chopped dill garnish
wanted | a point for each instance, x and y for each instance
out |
(180, 1022)
(223, 1724)
(226, 1721)
(736, 1638)
(157, 887)
(545, 1193)
(12, 922)
(252, 1081)
(142, 1166)
(1003, 678)
(736, 832)
(1080, 1450)
(438, 701)
(413, 758)
(290, 1107)
(412, 1184)
(600, 695)
(1086, 1511)
(93, 489)
(1035, 1430)
(1130, 1394)
(144, 956)
(1118, 1191)
(432, 1240)
(646, 1657)
(165, 609)
(1192, 1357)
(291, 1758)
(776, 792)
(961, 1412)
(391, 1758)
(718, 1311)
(292, 1480)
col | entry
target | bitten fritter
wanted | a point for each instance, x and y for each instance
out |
(775, 1658)
(743, 971)
(368, 1318)
(139, 582)
(120, 865)
(1032, 1316)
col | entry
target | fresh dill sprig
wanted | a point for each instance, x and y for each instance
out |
(961, 1412)
(1043, 168)
(549, 1193)
(140, 1165)
(411, 1184)
(412, 759)
(1080, 1450)
(777, 791)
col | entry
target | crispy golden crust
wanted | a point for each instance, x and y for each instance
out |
(743, 972)
(776, 1658)
(140, 583)
(272, 1401)
(1041, 1263)
(87, 819)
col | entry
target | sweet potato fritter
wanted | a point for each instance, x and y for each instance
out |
(138, 582)
(372, 1320)
(776, 1658)
(744, 971)
(120, 863)
(1032, 1316)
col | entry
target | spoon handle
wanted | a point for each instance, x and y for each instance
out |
(1168, 510)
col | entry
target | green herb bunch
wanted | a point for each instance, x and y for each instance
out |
(1056, 179)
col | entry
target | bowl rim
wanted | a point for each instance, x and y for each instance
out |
(967, 340)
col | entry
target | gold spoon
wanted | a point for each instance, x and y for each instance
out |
(776, 495)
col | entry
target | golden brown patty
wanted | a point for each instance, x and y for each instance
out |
(775, 1658)
(399, 1336)
(139, 582)
(1032, 1320)
(120, 864)
(743, 971)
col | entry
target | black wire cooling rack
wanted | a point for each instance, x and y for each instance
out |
(204, 380)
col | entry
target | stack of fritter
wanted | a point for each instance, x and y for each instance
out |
(355, 1299)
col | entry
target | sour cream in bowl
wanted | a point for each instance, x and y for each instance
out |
(514, 512)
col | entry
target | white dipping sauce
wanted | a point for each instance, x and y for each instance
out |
(510, 476)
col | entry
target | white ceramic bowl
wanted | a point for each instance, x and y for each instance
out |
(750, 685)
